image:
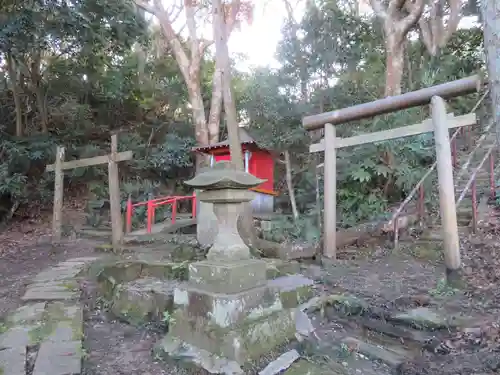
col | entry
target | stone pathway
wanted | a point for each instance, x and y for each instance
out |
(44, 336)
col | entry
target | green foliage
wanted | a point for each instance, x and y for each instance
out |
(285, 229)
(99, 68)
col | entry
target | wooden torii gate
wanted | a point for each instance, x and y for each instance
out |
(112, 160)
(439, 124)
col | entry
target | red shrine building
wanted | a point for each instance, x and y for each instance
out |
(257, 160)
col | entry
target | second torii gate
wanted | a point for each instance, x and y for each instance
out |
(439, 124)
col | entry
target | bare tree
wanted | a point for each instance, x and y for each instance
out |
(223, 63)
(437, 26)
(188, 54)
(304, 97)
(491, 19)
(397, 22)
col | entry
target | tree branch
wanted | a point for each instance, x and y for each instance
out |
(416, 7)
(193, 36)
(395, 6)
(378, 8)
(144, 5)
(168, 31)
(230, 21)
(453, 21)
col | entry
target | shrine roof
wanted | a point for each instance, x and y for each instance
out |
(245, 138)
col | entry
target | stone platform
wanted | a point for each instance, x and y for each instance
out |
(233, 327)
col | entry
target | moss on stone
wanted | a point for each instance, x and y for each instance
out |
(297, 296)
(304, 367)
(248, 340)
(277, 267)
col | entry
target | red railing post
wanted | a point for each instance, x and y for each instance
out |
(128, 216)
(174, 210)
(149, 215)
(474, 206)
(492, 176)
(193, 203)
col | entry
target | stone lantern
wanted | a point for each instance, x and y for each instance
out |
(227, 189)
(228, 312)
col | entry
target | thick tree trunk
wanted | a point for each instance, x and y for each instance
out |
(215, 106)
(222, 59)
(491, 18)
(42, 108)
(16, 94)
(36, 82)
(397, 23)
(394, 65)
(199, 120)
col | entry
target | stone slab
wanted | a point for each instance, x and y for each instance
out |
(192, 357)
(293, 289)
(59, 358)
(59, 272)
(143, 300)
(53, 290)
(225, 310)
(13, 361)
(65, 332)
(18, 337)
(374, 352)
(49, 295)
(423, 318)
(304, 367)
(281, 363)
(165, 270)
(28, 313)
(277, 267)
(60, 311)
(122, 271)
(228, 277)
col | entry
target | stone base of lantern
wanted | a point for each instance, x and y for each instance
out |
(218, 324)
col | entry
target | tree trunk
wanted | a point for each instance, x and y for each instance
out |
(491, 17)
(16, 94)
(215, 106)
(200, 123)
(36, 81)
(289, 184)
(394, 65)
(398, 18)
(42, 108)
(222, 58)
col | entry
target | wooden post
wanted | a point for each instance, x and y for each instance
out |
(58, 195)
(114, 194)
(446, 190)
(330, 194)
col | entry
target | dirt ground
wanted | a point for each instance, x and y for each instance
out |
(388, 280)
